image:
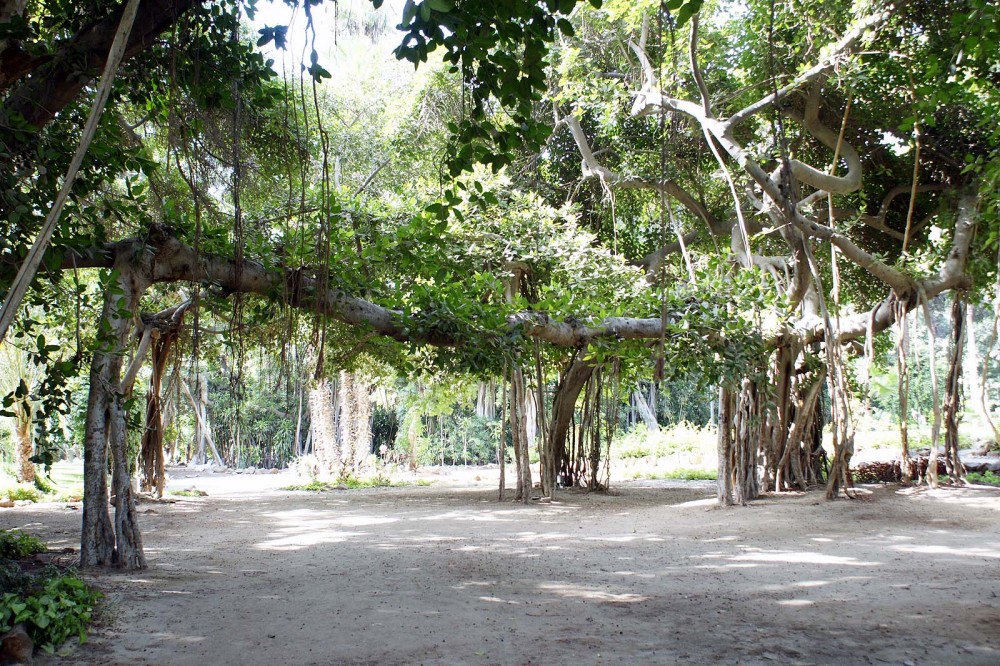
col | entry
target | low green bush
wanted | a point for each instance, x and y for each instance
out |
(987, 478)
(188, 492)
(61, 606)
(22, 491)
(52, 604)
(348, 482)
(680, 475)
(15, 544)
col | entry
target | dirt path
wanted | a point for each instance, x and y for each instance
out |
(653, 575)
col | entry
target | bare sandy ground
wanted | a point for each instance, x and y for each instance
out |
(652, 574)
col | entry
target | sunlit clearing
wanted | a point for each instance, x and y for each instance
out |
(312, 519)
(471, 516)
(163, 636)
(946, 550)
(709, 501)
(576, 592)
(811, 583)
(799, 557)
(313, 538)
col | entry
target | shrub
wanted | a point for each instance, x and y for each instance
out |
(988, 478)
(23, 491)
(15, 544)
(348, 482)
(680, 438)
(189, 492)
(680, 475)
(61, 607)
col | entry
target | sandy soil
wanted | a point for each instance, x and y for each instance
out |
(652, 574)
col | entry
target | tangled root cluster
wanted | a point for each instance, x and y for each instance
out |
(892, 472)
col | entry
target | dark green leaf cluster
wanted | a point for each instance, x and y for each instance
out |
(500, 49)
(56, 609)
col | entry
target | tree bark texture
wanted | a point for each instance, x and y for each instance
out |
(519, 433)
(105, 429)
(324, 428)
(953, 391)
(564, 399)
(23, 440)
(151, 449)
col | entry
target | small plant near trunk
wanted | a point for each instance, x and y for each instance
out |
(52, 603)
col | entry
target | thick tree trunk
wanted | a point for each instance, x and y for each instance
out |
(724, 479)
(519, 433)
(324, 428)
(571, 382)
(97, 541)
(105, 426)
(748, 422)
(128, 541)
(355, 423)
(953, 392)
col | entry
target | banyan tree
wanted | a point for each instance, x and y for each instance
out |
(751, 195)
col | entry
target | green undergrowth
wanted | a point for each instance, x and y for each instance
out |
(15, 545)
(987, 478)
(354, 483)
(64, 483)
(188, 492)
(679, 475)
(679, 438)
(53, 603)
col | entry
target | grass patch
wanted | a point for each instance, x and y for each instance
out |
(67, 474)
(63, 484)
(679, 475)
(188, 492)
(987, 478)
(354, 483)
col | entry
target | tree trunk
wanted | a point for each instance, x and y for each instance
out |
(151, 449)
(299, 444)
(519, 433)
(953, 392)
(971, 364)
(106, 426)
(23, 441)
(348, 422)
(571, 382)
(502, 444)
(128, 541)
(724, 479)
(324, 428)
(903, 389)
(645, 413)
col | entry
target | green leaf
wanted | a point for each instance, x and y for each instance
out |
(443, 6)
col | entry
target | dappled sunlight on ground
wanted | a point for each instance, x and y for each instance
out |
(576, 592)
(973, 496)
(798, 557)
(308, 527)
(992, 552)
(646, 575)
